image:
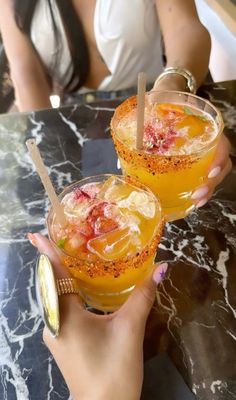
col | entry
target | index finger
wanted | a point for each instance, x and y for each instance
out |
(44, 246)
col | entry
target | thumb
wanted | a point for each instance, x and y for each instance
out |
(141, 300)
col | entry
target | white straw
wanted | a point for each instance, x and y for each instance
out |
(140, 109)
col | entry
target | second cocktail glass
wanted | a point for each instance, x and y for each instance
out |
(181, 132)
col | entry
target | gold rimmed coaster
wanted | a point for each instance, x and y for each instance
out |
(48, 289)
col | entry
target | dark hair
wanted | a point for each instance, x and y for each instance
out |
(24, 11)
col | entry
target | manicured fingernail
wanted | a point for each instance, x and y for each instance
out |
(32, 239)
(201, 192)
(159, 272)
(214, 172)
(201, 203)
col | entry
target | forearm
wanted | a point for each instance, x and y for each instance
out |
(189, 46)
(187, 43)
(31, 90)
(30, 82)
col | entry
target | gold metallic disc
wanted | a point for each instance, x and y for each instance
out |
(47, 296)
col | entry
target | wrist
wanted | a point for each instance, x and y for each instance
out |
(118, 392)
(105, 392)
(171, 82)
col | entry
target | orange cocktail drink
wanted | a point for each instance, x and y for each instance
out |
(109, 242)
(181, 132)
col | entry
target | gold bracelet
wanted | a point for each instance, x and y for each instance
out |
(185, 73)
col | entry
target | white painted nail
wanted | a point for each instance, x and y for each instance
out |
(201, 203)
(214, 172)
(201, 192)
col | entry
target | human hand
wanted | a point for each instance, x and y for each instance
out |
(219, 168)
(100, 356)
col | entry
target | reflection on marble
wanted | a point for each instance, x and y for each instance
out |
(194, 318)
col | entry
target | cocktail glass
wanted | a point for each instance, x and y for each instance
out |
(110, 238)
(181, 132)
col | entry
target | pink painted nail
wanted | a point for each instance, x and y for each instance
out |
(214, 172)
(32, 239)
(159, 272)
(201, 192)
(201, 203)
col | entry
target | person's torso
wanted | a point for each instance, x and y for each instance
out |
(123, 38)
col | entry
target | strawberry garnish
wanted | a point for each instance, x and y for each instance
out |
(81, 195)
(97, 210)
(159, 137)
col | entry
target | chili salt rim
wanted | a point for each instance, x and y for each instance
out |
(157, 163)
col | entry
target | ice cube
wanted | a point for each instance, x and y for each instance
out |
(113, 190)
(76, 241)
(111, 245)
(133, 222)
(141, 202)
(112, 211)
(73, 244)
(75, 209)
(85, 228)
(104, 225)
(91, 189)
(110, 182)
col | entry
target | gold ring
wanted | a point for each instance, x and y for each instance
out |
(66, 286)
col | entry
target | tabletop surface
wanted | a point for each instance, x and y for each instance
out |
(194, 318)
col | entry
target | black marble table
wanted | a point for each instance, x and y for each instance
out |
(194, 318)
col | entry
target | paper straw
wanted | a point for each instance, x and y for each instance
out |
(140, 109)
(42, 171)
